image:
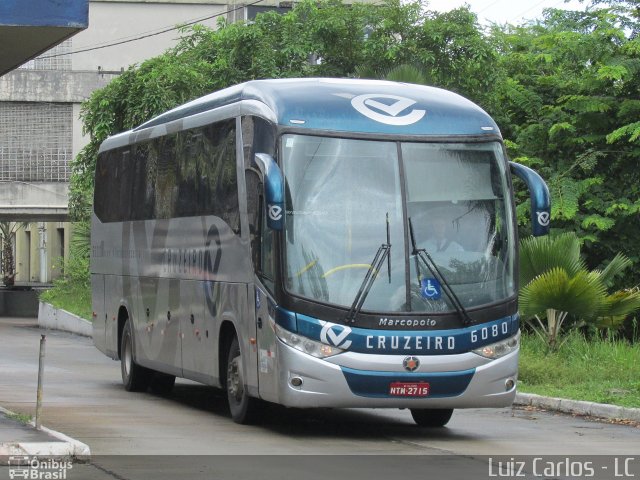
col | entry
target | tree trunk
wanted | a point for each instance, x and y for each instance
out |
(8, 264)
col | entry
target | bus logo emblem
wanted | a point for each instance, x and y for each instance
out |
(329, 336)
(411, 364)
(377, 107)
(275, 212)
(543, 218)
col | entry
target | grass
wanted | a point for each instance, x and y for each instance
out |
(72, 291)
(74, 297)
(597, 370)
(20, 417)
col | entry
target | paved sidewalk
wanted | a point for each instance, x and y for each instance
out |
(20, 440)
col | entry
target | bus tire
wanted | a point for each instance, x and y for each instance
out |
(162, 383)
(134, 377)
(436, 417)
(244, 408)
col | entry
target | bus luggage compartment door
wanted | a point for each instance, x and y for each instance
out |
(99, 312)
(198, 334)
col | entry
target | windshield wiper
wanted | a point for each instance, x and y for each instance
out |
(423, 255)
(370, 277)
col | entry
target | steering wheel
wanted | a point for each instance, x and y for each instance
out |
(348, 266)
(308, 267)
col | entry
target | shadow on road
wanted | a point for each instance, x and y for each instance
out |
(317, 422)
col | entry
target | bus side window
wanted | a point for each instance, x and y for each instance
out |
(166, 189)
(125, 171)
(253, 184)
(219, 183)
(104, 182)
(142, 194)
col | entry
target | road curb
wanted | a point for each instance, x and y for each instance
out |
(64, 447)
(53, 318)
(579, 407)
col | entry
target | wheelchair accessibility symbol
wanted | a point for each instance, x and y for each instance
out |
(430, 288)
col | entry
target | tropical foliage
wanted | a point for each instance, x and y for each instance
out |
(570, 87)
(72, 291)
(563, 89)
(556, 286)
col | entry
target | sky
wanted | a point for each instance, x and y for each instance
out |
(503, 11)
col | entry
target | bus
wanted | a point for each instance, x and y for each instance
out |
(314, 243)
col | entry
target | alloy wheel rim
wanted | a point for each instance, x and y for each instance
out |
(235, 385)
(127, 358)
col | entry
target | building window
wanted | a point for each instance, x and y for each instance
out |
(61, 243)
(57, 58)
(36, 141)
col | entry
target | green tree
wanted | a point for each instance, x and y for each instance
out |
(563, 90)
(568, 106)
(447, 50)
(448, 47)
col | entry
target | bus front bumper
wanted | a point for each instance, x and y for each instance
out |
(363, 380)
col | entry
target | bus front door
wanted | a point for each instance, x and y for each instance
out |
(266, 341)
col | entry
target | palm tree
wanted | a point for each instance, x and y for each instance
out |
(8, 265)
(557, 285)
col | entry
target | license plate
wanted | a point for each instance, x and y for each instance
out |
(403, 389)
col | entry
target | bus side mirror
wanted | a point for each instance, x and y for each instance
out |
(540, 200)
(273, 190)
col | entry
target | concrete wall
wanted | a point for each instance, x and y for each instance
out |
(18, 303)
(34, 201)
(57, 319)
(111, 21)
(50, 85)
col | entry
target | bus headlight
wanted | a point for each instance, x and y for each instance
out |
(306, 345)
(501, 348)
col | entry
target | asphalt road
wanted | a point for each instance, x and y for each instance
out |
(84, 398)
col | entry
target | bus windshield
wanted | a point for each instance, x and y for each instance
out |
(343, 196)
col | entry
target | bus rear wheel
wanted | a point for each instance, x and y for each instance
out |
(244, 408)
(134, 377)
(436, 417)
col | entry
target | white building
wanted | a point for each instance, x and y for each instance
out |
(40, 129)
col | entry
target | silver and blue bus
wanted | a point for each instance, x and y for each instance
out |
(314, 243)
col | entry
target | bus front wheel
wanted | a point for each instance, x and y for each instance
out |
(425, 417)
(244, 408)
(134, 377)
